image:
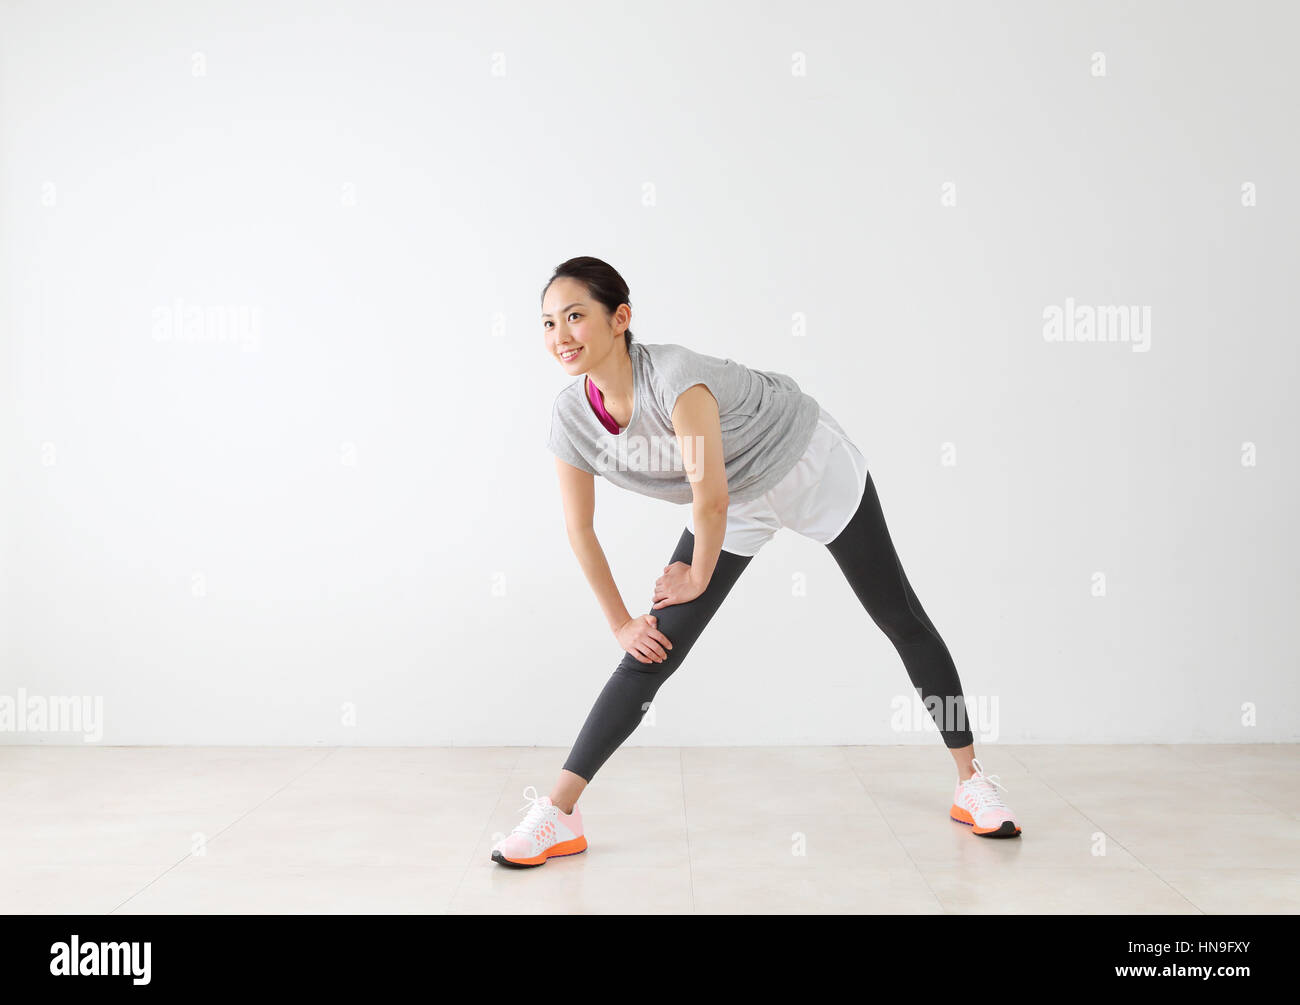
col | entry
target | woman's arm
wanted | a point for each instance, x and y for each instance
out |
(699, 436)
(639, 636)
(578, 496)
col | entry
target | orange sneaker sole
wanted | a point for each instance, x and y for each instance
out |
(559, 850)
(1005, 830)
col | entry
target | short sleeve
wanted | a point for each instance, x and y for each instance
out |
(674, 391)
(678, 371)
(562, 447)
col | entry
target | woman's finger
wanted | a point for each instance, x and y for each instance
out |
(660, 637)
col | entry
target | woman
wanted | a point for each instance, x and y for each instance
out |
(751, 453)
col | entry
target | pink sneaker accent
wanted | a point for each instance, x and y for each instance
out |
(545, 832)
(977, 804)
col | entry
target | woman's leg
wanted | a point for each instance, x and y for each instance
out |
(864, 552)
(628, 693)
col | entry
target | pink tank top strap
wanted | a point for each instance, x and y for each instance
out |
(598, 406)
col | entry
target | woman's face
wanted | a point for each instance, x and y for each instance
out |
(576, 329)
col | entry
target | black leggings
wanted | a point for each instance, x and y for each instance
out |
(865, 554)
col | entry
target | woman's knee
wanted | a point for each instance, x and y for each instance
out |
(649, 675)
(901, 624)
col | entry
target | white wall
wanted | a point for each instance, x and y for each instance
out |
(389, 186)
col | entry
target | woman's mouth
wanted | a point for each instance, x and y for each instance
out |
(571, 354)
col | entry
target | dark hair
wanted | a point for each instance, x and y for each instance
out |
(602, 280)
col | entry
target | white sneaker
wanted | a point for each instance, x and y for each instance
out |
(545, 832)
(976, 804)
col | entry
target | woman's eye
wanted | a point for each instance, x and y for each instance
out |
(574, 314)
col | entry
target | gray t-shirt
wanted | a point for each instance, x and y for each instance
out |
(766, 422)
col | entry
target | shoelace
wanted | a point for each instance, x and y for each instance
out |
(980, 788)
(535, 815)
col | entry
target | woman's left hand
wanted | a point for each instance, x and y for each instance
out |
(676, 586)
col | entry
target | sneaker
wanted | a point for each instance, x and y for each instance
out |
(976, 804)
(545, 832)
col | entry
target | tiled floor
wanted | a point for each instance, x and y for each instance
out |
(1140, 829)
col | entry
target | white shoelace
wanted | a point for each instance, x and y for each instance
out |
(980, 788)
(535, 815)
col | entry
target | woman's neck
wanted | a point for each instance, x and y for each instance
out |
(613, 378)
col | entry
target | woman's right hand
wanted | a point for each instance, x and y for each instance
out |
(640, 637)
